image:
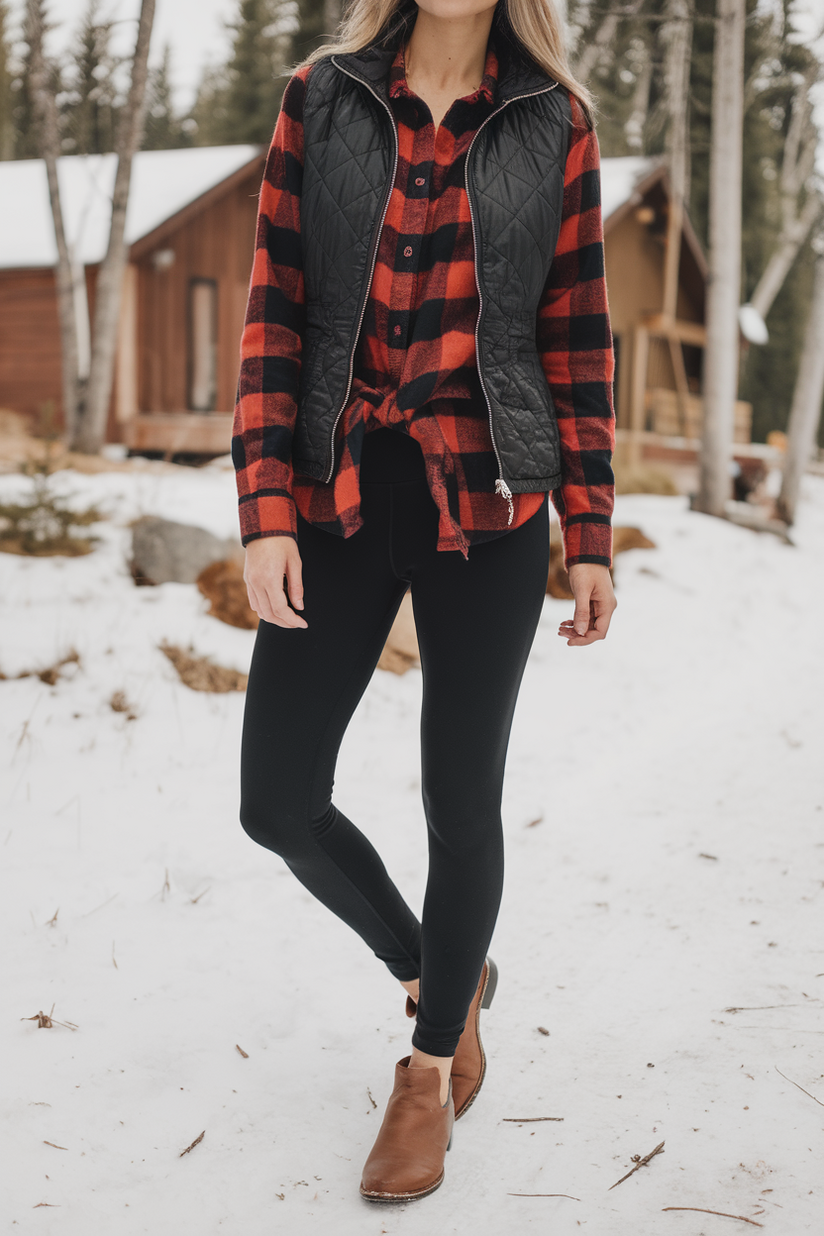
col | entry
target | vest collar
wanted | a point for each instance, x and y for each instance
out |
(517, 74)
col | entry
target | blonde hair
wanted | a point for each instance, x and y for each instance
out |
(532, 27)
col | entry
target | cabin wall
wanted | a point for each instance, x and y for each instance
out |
(218, 245)
(634, 260)
(30, 365)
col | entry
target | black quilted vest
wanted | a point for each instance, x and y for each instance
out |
(515, 183)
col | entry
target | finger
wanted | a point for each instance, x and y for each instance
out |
(581, 617)
(282, 614)
(294, 581)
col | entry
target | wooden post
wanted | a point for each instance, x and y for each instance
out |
(126, 401)
(640, 358)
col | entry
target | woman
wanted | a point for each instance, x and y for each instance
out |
(427, 354)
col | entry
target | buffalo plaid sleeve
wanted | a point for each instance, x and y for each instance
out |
(575, 344)
(270, 348)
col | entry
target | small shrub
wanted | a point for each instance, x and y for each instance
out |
(43, 526)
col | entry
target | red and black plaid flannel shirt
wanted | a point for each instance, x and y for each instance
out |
(415, 366)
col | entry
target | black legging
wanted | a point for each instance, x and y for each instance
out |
(476, 620)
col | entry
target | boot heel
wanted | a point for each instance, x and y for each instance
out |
(492, 983)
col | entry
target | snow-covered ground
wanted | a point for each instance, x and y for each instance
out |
(661, 919)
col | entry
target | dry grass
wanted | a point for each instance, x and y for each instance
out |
(119, 703)
(201, 674)
(51, 673)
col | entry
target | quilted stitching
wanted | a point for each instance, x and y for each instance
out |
(512, 217)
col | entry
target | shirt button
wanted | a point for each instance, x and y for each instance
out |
(407, 251)
(420, 180)
(397, 330)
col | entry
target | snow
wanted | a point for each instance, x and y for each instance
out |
(676, 873)
(163, 182)
(619, 176)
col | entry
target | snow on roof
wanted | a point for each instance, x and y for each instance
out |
(620, 176)
(163, 182)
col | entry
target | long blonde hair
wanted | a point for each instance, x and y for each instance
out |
(532, 27)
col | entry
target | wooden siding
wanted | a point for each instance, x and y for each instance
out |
(218, 244)
(30, 373)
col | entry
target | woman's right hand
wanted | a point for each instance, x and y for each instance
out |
(268, 560)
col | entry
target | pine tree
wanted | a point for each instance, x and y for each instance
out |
(165, 130)
(774, 62)
(89, 104)
(239, 102)
(26, 139)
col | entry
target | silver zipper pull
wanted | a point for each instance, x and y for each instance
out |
(503, 489)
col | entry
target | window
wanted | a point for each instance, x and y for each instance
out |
(202, 345)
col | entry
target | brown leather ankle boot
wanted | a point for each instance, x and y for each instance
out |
(407, 1158)
(469, 1064)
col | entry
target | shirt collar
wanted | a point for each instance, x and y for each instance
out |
(398, 87)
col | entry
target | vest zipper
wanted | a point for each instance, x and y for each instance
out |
(374, 262)
(501, 486)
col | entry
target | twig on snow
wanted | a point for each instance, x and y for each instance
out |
(752, 1008)
(639, 1162)
(793, 1083)
(371, 1100)
(722, 1213)
(530, 1120)
(45, 1143)
(45, 1021)
(574, 1199)
(243, 1053)
(194, 1143)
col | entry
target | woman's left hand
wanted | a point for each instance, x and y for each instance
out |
(594, 604)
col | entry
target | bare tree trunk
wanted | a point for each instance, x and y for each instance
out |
(636, 122)
(793, 236)
(797, 166)
(805, 413)
(92, 427)
(678, 35)
(721, 353)
(600, 45)
(45, 110)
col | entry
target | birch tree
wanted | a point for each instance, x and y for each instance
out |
(721, 352)
(805, 413)
(797, 166)
(92, 415)
(44, 109)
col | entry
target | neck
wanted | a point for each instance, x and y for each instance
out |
(448, 53)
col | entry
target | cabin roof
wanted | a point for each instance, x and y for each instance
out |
(620, 177)
(163, 183)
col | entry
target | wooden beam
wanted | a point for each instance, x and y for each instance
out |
(686, 332)
(640, 358)
(209, 433)
(126, 402)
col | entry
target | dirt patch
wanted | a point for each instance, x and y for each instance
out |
(223, 586)
(201, 673)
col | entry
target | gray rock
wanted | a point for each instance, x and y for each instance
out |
(166, 552)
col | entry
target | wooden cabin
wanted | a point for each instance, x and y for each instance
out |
(190, 229)
(656, 283)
